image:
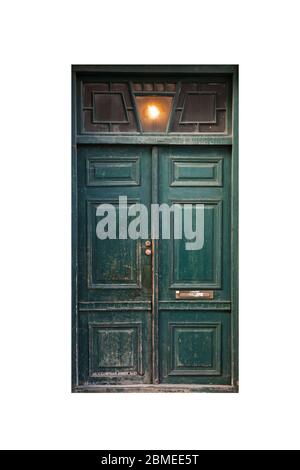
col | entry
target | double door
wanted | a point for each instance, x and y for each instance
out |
(151, 311)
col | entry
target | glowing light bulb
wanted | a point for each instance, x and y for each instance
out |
(153, 111)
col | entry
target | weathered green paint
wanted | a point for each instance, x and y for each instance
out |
(186, 337)
(129, 331)
(114, 345)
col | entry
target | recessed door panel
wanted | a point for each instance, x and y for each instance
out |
(115, 346)
(199, 268)
(111, 263)
(194, 347)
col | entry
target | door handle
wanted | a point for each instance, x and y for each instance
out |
(148, 251)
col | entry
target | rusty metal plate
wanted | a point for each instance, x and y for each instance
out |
(195, 294)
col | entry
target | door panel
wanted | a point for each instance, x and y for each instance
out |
(190, 171)
(198, 268)
(115, 347)
(111, 264)
(194, 347)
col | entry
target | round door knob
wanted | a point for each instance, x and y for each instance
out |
(148, 252)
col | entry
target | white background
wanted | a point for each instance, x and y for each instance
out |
(39, 41)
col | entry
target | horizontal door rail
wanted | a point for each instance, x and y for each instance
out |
(174, 139)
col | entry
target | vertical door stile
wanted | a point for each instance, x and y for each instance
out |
(155, 378)
(75, 352)
(234, 230)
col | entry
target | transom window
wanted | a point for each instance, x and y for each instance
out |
(184, 106)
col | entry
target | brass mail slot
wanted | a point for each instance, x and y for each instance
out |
(195, 294)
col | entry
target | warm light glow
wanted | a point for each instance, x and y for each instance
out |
(153, 111)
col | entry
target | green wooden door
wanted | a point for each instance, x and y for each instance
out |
(194, 332)
(136, 324)
(149, 314)
(114, 274)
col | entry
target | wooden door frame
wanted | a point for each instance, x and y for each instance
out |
(232, 140)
